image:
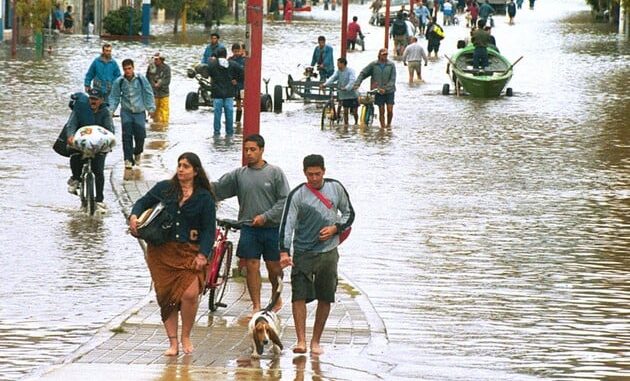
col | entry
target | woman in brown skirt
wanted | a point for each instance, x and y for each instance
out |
(177, 266)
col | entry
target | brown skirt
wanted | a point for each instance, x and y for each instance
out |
(172, 267)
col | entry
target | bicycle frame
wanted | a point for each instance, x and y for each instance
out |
(220, 243)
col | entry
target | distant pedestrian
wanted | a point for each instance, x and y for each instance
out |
(511, 11)
(323, 59)
(344, 79)
(159, 75)
(178, 266)
(58, 17)
(434, 35)
(422, 15)
(135, 95)
(68, 20)
(225, 76)
(211, 50)
(288, 11)
(103, 72)
(314, 216)
(519, 4)
(473, 10)
(412, 57)
(354, 33)
(382, 73)
(238, 57)
(375, 7)
(531, 4)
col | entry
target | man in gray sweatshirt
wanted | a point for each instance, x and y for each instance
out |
(261, 189)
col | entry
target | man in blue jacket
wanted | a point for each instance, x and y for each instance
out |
(102, 72)
(211, 50)
(225, 76)
(134, 94)
(89, 110)
(323, 59)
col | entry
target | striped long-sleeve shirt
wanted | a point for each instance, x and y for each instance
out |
(305, 215)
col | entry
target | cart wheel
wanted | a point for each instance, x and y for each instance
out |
(445, 89)
(266, 103)
(277, 99)
(509, 92)
(192, 101)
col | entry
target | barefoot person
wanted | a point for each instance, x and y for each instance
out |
(177, 266)
(314, 214)
(261, 189)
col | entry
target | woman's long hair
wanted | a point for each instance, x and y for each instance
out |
(200, 180)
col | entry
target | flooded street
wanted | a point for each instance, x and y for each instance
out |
(492, 236)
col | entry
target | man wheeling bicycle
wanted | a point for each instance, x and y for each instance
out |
(261, 189)
(85, 112)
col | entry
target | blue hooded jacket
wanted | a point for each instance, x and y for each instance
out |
(101, 75)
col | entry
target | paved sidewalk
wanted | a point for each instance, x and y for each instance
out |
(131, 346)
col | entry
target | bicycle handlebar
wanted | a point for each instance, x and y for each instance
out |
(229, 223)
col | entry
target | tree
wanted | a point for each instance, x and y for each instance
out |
(124, 21)
(34, 13)
(176, 8)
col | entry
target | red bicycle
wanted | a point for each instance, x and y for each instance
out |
(218, 270)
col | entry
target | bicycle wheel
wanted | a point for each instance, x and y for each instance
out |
(216, 294)
(328, 112)
(369, 115)
(89, 194)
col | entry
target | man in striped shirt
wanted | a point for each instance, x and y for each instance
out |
(315, 214)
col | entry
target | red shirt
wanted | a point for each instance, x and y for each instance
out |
(353, 30)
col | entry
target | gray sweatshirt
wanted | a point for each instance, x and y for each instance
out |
(259, 191)
(305, 215)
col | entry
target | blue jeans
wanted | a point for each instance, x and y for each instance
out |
(480, 58)
(223, 105)
(133, 129)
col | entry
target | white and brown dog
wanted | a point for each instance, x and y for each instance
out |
(264, 327)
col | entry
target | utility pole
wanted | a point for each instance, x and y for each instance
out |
(344, 27)
(14, 31)
(146, 20)
(253, 62)
(387, 15)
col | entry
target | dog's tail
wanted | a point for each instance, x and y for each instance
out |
(276, 295)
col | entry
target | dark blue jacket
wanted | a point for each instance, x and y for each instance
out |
(195, 221)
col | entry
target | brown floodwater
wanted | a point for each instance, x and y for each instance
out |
(492, 236)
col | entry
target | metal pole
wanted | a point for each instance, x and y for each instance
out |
(387, 5)
(146, 19)
(344, 28)
(14, 31)
(253, 62)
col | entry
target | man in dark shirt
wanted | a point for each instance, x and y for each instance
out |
(480, 39)
(225, 76)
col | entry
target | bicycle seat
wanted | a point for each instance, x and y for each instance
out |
(228, 223)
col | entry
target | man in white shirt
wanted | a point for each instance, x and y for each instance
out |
(412, 58)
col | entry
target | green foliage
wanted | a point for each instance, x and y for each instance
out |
(34, 13)
(117, 22)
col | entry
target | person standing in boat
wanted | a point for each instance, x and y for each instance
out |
(480, 39)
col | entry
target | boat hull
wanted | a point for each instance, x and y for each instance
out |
(487, 83)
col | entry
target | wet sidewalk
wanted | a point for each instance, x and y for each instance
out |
(131, 346)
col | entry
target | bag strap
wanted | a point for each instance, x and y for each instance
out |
(321, 197)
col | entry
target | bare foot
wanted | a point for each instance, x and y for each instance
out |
(278, 305)
(172, 351)
(299, 348)
(316, 349)
(187, 345)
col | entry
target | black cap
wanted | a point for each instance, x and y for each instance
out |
(95, 93)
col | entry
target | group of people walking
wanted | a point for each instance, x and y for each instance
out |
(284, 227)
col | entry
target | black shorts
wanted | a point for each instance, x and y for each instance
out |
(350, 103)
